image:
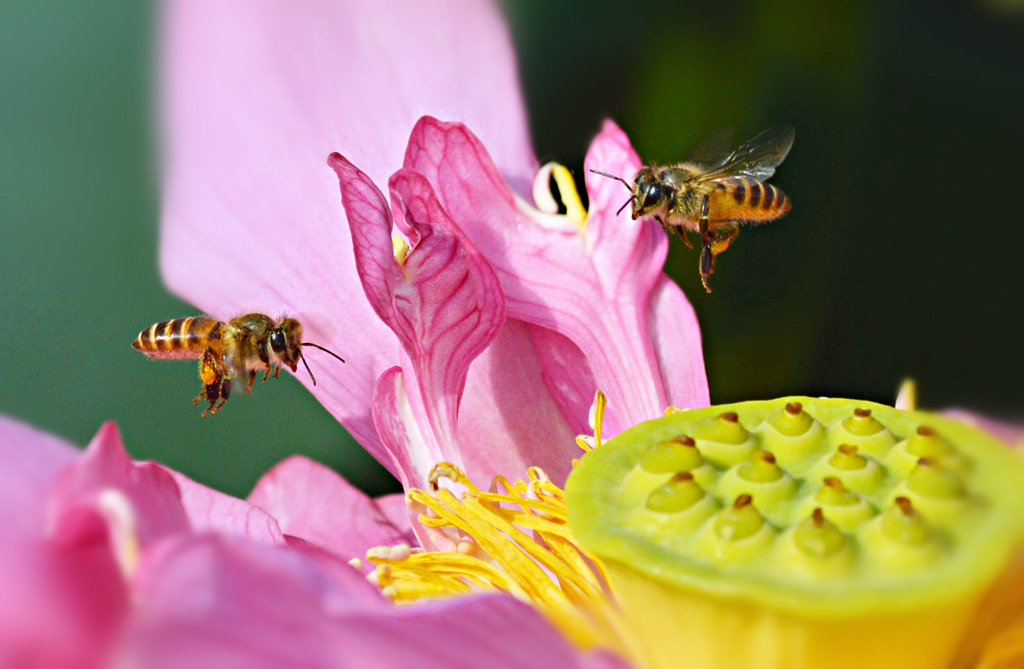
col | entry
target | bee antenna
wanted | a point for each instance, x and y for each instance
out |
(325, 350)
(628, 202)
(306, 365)
(619, 179)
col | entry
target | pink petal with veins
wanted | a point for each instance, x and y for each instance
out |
(593, 286)
(255, 95)
(443, 302)
(313, 503)
(209, 602)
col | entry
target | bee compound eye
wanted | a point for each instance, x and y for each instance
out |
(277, 342)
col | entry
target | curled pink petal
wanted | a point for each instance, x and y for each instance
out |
(442, 301)
(59, 604)
(313, 503)
(255, 95)
(79, 505)
(408, 454)
(208, 602)
(592, 286)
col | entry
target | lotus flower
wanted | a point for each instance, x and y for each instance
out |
(477, 335)
(484, 342)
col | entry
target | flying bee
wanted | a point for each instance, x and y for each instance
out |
(241, 347)
(713, 192)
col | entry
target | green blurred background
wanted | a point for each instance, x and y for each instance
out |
(899, 259)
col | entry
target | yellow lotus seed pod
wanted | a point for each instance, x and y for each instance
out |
(760, 477)
(679, 494)
(925, 442)
(863, 562)
(678, 454)
(842, 506)
(792, 435)
(723, 441)
(863, 430)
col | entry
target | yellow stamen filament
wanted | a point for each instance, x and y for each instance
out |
(521, 533)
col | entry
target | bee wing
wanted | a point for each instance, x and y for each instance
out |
(756, 159)
(713, 150)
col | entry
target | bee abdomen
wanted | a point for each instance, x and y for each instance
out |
(178, 338)
(758, 201)
(774, 201)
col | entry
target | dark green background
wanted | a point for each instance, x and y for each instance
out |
(902, 255)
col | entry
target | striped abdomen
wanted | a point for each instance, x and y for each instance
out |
(182, 338)
(739, 198)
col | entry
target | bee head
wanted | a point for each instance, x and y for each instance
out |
(649, 193)
(285, 340)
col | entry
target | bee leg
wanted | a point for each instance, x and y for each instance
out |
(213, 375)
(707, 238)
(266, 374)
(707, 266)
(681, 231)
(277, 370)
(225, 393)
(724, 237)
(252, 378)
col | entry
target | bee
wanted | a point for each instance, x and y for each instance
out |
(713, 192)
(241, 347)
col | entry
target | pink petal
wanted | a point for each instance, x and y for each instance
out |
(214, 603)
(443, 303)
(255, 96)
(313, 503)
(676, 335)
(211, 511)
(29, 460)
(509, 421)
(78, 511)
(593, 287)
(58, 604)
(1012, 434)
(407, 453)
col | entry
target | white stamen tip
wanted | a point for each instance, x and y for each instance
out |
(120, 514)
(466, 547)
(400, 552)
(906, 399)
(542, 197)
(356, 563)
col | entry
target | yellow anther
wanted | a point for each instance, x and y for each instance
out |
(400, 249)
